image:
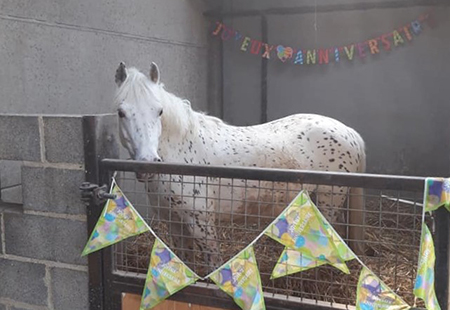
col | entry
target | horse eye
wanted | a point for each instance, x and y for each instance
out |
(121, 113)
(161, 112)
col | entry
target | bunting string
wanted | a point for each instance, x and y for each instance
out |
(309, 239)
(322, 56)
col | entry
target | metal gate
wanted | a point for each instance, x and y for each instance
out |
(391, 232)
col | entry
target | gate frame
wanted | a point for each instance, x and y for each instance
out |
(107, 286)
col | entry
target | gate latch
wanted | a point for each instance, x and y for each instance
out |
(94, 193)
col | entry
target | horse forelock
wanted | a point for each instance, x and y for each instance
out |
(136, 88)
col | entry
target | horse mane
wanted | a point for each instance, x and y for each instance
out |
(178, 115)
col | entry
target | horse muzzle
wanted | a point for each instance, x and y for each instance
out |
(144, 177)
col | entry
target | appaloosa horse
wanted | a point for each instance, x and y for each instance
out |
(156, 125)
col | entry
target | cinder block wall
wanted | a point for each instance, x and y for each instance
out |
(60, 57)
(42, 238)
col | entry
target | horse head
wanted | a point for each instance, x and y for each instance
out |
(139, 110)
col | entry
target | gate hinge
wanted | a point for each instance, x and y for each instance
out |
(92, 193)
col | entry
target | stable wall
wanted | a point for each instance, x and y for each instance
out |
(60, 57)
(397, 100)
(42, 236)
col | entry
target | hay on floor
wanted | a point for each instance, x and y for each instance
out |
(392, 237)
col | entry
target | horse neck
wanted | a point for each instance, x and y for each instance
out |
(183, 130)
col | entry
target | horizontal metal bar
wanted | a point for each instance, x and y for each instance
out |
(373, 181)
(442, 246)
(361, 6)
(211, 296)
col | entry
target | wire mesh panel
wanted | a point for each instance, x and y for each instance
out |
(206, 219)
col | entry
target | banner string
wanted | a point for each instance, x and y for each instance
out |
(114, 182)
(257, 238)
(159, 239)
(332, 54)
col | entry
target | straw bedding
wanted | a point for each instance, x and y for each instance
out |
(392, 243)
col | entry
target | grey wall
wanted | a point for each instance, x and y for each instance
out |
(398, 101)
(60, 57)
(41, 240)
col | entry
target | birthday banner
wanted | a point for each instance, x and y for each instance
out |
(437, 193)
(373, 294)
(309, 240)
(322, 56)
(303, 228)
(240, 279)
(167, 274)
(119, 220)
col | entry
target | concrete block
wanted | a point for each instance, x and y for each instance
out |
(64, 139)
(53, 239)
(70, 289)
(20, 138)
(23, 282)
(52, 190)
(59, 71)
(10, 173)
(12, 194)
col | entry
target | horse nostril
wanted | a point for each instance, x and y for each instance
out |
(121, 113)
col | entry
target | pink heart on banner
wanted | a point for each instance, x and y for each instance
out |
(284, 53)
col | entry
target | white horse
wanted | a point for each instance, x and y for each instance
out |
(156, 125)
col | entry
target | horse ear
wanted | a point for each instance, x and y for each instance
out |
(154, 73)
(121, 74)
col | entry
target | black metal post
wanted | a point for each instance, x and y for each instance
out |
(95, 260)
(100, 141)
(442, 250)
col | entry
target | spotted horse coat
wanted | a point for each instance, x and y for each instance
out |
(301, 141)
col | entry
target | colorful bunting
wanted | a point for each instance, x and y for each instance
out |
(118, 221)
(373, 294)
(167, 274)
(424, 286)
(309, 240)
(437, 193)
(293, 261)
(240, 279)
(301, 227)
(320, 56)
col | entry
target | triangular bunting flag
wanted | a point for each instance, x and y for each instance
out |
(344, 251)
(301, 227)
(167, 274)
(437, 193)
(240, 279)
(374, 294)
(292, 261)
(424, 287)
(118, 221)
